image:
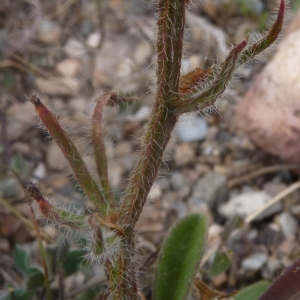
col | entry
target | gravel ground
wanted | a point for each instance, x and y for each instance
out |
(69, 52)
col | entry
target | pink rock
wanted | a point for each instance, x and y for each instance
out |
(270, 111)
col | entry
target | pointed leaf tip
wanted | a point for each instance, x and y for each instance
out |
(35, 100)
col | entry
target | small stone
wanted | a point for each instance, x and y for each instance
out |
(40, 171)
(177, 180)
(152, 218)
(115, 172)
(63, 86)
(129, 128)
(19, 119)
(274, 188)
(127, 162)
(191, 128)
(141, 115)
(61, 183)
(74, 48)
(296, 210)
(184, 191)
(288, 249)
(194, 61)
(109, 149)
(169, 151)
(208, 189)
(254, 262)
(163, 183)
(123, 148)
(219, 279)
(49, 32)
(155, 192)
(93, 40)
(289, 225)
(68, 67)
(184, 154)
(169, 197)
(55, 158)
(125, 69)
(214, 233)
(273, 266)
(210, 8)
(223, 170)
(21, 148)
(142, 53)
(180, 208)
(246, 203)
(78, 105)
(202, 169)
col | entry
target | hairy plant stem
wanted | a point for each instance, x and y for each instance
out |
(147, 166)
(121, 274)
(170, 26)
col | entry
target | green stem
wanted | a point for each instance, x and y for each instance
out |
(99, 148)
(42, 253)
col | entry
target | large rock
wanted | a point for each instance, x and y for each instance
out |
(270, 111)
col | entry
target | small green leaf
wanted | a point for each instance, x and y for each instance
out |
(10, 187)
(220, 264)
(296, 4)
(180, 258)
(19, 294)
(33, 270)
(253, 291)
(35, 280)
(89, 294)
(20, 166)
(7, 79)
(72, 262)
(21, 260)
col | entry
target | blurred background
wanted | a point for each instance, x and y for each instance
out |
(225, 162)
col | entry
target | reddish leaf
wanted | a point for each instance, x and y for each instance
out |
(286, 286)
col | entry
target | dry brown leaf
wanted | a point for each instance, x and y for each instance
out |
(207, 293)
(189, 80)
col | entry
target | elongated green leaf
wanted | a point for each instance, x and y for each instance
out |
(253, 291)
(180, 258)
